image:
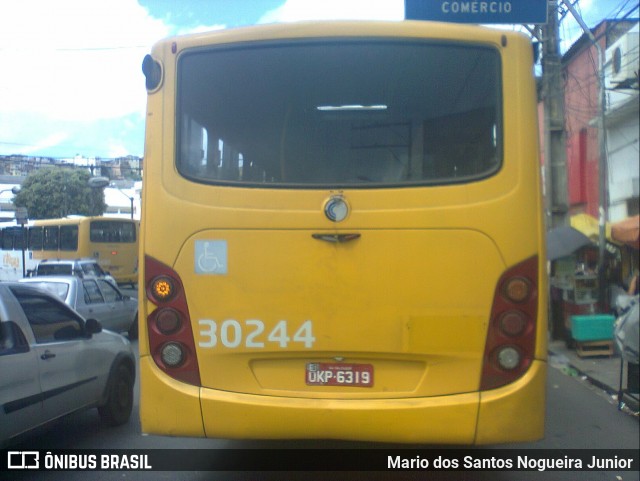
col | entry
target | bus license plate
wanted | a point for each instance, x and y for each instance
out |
(339, 374)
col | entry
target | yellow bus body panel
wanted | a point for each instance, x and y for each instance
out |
(420, 319)
(371, 301)
(515, 412)
(172, 400)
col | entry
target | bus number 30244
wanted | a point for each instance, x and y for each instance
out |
(252, 334)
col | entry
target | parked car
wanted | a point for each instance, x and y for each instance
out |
(53, 362)
(93, 298)
(72, 267)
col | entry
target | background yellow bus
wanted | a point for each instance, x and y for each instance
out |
(343, 236)
(112, 241)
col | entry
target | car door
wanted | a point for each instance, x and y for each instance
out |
(20, 394)
(91, 303)
(120, 311)
(68, 375)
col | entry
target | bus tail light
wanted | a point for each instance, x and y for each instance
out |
(513, 323)
(169, 326)
(511, 337)
(162, 288)
(168, 320)
(173, 354)
(508, 358)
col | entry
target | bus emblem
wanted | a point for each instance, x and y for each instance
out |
(336, 209)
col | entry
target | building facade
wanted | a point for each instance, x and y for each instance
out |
(581, 69)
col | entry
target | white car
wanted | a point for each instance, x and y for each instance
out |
(73, 267)
(93, 298)
(53, 362)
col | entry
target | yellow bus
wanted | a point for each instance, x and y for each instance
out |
(112, 242)
(343, 235)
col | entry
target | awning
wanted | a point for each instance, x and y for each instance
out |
(589, 226)
(564, 241)
(627, 232)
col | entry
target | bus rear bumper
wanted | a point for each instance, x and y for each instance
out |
(512, 413)
(440, 419)
(509, 414)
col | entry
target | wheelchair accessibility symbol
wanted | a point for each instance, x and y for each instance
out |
(211, 257)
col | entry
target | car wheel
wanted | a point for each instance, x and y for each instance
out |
(119, 404)
(133, 330)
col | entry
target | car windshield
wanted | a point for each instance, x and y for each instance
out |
(59, 289)
(339, 113)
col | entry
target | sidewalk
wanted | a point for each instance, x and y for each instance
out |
(601, 371)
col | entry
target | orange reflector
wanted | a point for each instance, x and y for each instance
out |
(162, 288)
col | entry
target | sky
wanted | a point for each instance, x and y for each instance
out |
(70, 70)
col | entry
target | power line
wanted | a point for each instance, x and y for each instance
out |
(82, 49)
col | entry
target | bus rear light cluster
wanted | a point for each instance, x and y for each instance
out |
(510, 346)
(171, 341)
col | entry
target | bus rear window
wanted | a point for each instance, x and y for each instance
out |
(339, 114)
(112, 231)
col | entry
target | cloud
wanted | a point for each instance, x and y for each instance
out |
(296, 10)
(40, 134)
(75, 60)
(71, 68)
(200, 29)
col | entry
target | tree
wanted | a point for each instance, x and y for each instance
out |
(53, 192)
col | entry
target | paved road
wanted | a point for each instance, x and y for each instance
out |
(578, 417)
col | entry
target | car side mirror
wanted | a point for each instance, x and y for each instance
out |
(93, 326)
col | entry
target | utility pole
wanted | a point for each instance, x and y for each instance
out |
(555, 155)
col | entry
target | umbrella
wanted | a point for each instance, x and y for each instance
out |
(627, 232)
(563, 241)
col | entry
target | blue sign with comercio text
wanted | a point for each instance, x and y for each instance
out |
(477, 11)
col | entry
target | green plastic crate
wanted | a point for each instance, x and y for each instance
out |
(596, 327)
